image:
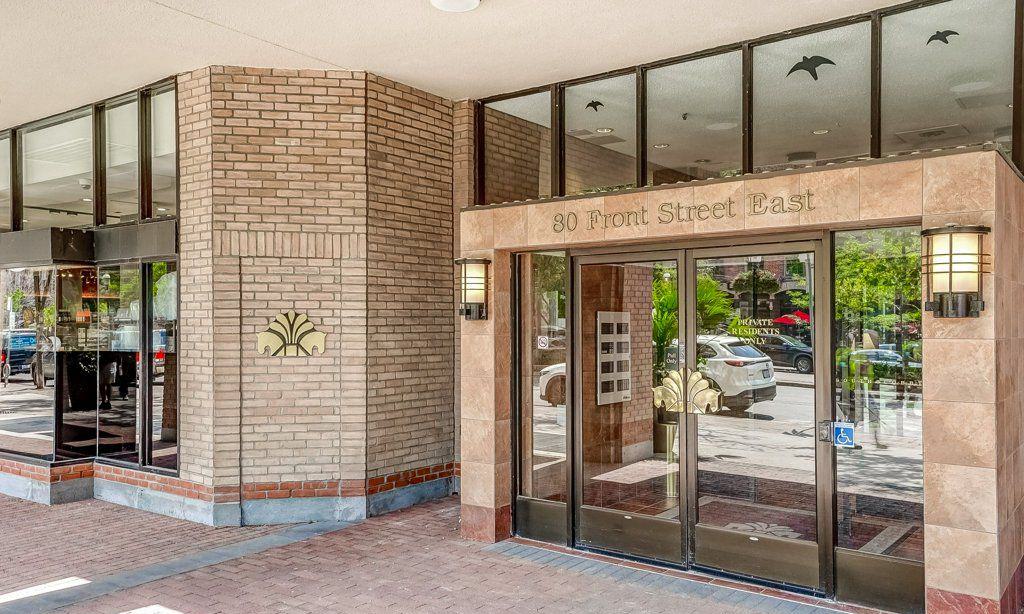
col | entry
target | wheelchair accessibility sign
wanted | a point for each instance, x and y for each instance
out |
(842, 434)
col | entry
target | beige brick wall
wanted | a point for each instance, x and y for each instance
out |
(410, 287)
(296, 196)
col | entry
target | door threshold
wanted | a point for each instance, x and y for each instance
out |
(703, 576)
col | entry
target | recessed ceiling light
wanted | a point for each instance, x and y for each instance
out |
(972, 86)
(722, 126)
(455, 6)
(86, 200)
(604, 130)
(161, 209)
(661, 146)
(702, 161)
(820, 132)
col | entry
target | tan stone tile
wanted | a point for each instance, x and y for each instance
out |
(545, 224)
(982, 327)
(960, 433)
(478, 484)
(477, 395)
(663, 207)
(476, 230)
(891, 190)
(834, 196)
(627, 216)
(960, 497)
(961, 561)
(960, 182)
(583, 220)
(477, 441)
(959, 370)
(509, 227)
(767, 201)
(726, 207)
(478, 351)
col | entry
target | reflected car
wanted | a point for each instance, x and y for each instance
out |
(743, 373)
(17, 353)
(787, 351)
(552, 384)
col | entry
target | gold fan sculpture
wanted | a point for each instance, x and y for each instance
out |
(703, 398)
(290, 334)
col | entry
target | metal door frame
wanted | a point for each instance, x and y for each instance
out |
(820, 248)
(653, 529)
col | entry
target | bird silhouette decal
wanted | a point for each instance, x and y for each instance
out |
(942, 36)
(593, 104)
(810, 64)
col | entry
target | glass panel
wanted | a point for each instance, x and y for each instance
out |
(122, 147)
(117, 330)
(600, 135)
(5, 184)
(877, 330)
(694, 128)
(163, 363)
(76, 347)
(164, 148)
(812, 98)
(947, 75)
(755, 467)
(517, 148)
(629, 344)
(57, 167)
(27, 344)
(542, 356)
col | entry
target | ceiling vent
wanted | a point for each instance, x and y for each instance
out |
(981, 101)
(578, 132)
(934, 133)
(606, 139)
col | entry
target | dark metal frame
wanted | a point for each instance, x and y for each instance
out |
(143, 260)
(746, 48)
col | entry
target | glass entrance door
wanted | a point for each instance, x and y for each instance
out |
(760, 478)
(628, 486)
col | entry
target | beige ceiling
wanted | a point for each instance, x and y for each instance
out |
(57, 54)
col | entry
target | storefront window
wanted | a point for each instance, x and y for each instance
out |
(27, 344)
(600, 135)
(877, 335)
(812, 98)
(164, 149)
(694, 125)
(5, 184)
(517, 148)
(542, 363)
(57, 174)
(117, 332)
(163, 362)
(947, 75)
(122, 151)
(75, 346)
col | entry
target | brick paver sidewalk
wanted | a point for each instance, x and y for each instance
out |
(408, 561)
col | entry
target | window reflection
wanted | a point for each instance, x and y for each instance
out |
(75, 347)
(517, 148)
(877, 333)
(164, 147)
(812, 98)
(27, 343)
(600, 135)
(163, 362)
(122, 170)
(543, 350)
(5, 184)
(57, 174)
(117, 332)
(947, 75)
(694, 128)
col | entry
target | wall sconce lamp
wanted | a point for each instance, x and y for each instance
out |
(953, 263)
(473, 278)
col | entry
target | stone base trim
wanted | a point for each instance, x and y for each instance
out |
(143, 497)
(938, 601)
(46, 484)
(486, 524)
